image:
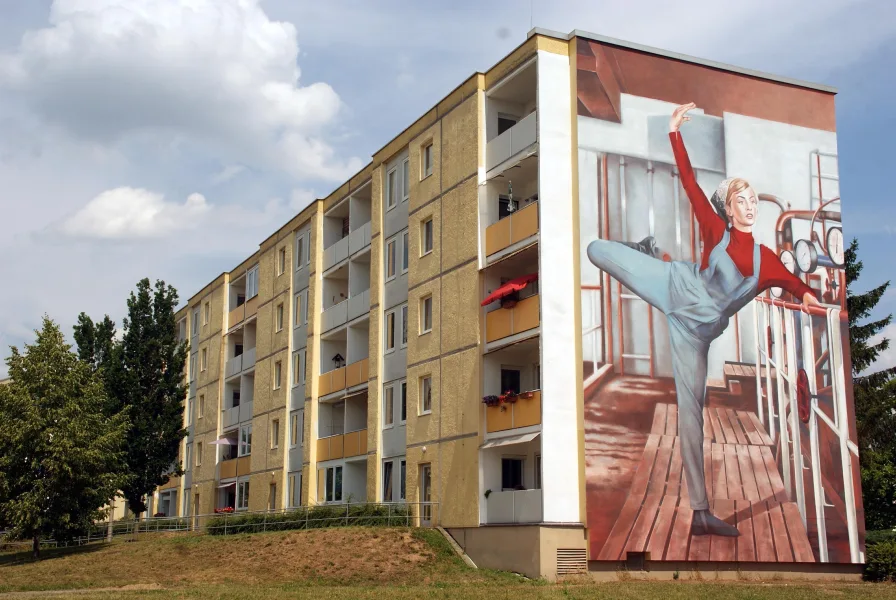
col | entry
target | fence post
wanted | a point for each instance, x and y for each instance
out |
(389, 517)
(346, 514)
(264, 526)
(225, 523)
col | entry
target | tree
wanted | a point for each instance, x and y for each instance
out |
(61, 457)
(96, 347)
(146, 378)
(875, 400)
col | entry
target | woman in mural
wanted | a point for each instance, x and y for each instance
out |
(698, 300)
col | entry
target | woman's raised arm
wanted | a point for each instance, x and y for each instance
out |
(706, 215)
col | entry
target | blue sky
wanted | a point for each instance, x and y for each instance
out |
(124, 125)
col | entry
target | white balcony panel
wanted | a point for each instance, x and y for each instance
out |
(336, 315)
(249, 359)
(522, 506)
(336, 253)
(498, 150)
(245, 411)
(233, 366)
(231, 416)
(359, 238)
(359, 305)
(514, 140)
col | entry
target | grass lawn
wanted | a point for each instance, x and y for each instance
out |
(343, 563)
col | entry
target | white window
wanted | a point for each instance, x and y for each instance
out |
(203, 359)
(296, 368)
(405, 245)
(201, 405)
(196, 321)
(390, 331)
(388, 483)
(402, 496)
(252, 283)
(538, 471)
(281, 261)
(391, 189)
(426, 314)
(404, 325)
(333, 484)
(278, 372)
(295, 429)
(207, 315)
(193, 367)
(198, 454)
(425, 395)
(406, 180)
(388, 406)
(537, 376)
(272, 497)
(390, 259)
(279, 317)
(182, 329)
(245, 440)
(300, 251)
(427, 160)
(426, 237)
(403, 399)
(242, 495)
(295, 489)
(300, 309)
(188, 458)
(303, 365)
(275, 434)
(189, 411)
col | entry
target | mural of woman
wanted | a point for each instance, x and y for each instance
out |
(699, 300)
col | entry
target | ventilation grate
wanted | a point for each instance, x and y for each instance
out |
(571, 561)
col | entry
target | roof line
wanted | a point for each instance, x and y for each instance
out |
(682, 57)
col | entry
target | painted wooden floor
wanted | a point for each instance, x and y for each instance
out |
(744, 484)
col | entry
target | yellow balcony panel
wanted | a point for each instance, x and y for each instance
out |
(337, 444)
(324, 384)
(355, 443)
(243, 465)
(526, 314)
(236, 316)
(498, 418)
(525, 412)
(337, 380)
(228, 469)
(356, 373)
(498, 324)
(323, 449)
(497, 236)
(524, 223)
(251, 307)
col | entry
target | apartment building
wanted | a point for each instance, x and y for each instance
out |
(433, 332)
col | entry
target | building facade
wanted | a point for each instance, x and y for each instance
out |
(438, 331)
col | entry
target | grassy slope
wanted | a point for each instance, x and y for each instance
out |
(336, 563)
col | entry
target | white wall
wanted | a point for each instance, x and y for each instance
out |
(557, 283)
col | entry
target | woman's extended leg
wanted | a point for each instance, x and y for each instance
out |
(644, 275)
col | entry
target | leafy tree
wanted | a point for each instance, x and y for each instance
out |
(146, 378)
(96, 346)
(61, 457)
(875, 400)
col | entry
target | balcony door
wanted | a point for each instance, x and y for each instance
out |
(426, 495)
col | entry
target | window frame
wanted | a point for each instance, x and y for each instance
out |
(423, 314)
(252, 283)
(278, 319)
(281, 261)
(405, 251)
(300, 251)
(195, 325)
(423, 236)
(274, 434)
(405, 179)
(198, 454)
(403, 404)
(403, 339)
(388, 489)
(391, 183)
(242, 495)
(203, 359)
(188, 456)
(278, 374)
(421, 408)
(245, 441)
(201, 412)
(391, 260)
(388, 405)
(402, 480)
(206, 313)
(426, 159)
(389, 317)
(295, 433)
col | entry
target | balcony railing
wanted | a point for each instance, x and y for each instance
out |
(525, 412)
(358, 305)
(336, 253)
(359, 239)
(234, 366)
(519, 506)
(248, 359)
(236, 316)
(235, 467)
(336, 315)
(505, 322)
(251, 306)
(511, 229)
(343, 377)
(508, 144)
(342, 446)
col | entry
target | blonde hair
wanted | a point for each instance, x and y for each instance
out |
(735, 186)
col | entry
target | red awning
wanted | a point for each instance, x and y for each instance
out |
(510, 287)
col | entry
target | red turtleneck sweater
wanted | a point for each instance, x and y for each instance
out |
(772, 272)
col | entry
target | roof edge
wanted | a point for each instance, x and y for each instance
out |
(682, 57)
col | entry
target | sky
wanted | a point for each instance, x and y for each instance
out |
(166, 139)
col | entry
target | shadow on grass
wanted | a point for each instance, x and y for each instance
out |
(10, 559)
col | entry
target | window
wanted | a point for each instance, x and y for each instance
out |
(275, 434)
(295, 489)
(511, 474)
(203, 359)
(404, 325)
(387, 481)
(279, 318)
(242, 495)
(426, 237)
(390, 259)
(538, 471)
(188, 458)
(198, 454)
(302, 366)
(391, 189)
(182, 329)
(300, 251)
(426, 315)
(196, 321)
(201, 405)
(278, 371)
(425, 395)
(505, 122)
(510, 380)
(403, 414)
(406, 180)
(272, 497)
(297, 310)
(537, 376)
(390, 331)
(235, 399)
(296, 368)
(294, 429)
(245, 440)
(252, 283)
(402, 496)
(192, 367)
(333, 484)
(207, 314)
(427, 160)
(405, 244)
(281, 261)
(189, 411)
(389, 406)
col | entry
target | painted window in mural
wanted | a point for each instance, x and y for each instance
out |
(719, 425)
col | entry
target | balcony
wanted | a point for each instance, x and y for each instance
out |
(337, 315)
(356, 373)
(234, 366)
(358, 305)
(515, 506)
(248, 359)
(235, 467)
(336, 253)
(358, 239)
(505, 322)
(511, 230)
(511, 142)
(237, 414)
(344, 377)
(342, 446)
(236, 316)
(525, 411)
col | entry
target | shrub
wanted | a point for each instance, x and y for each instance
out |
(880, 561)
(315, 517)
(884, 535)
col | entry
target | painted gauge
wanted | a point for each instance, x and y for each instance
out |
(806, 256)
(789, 262)
(834, 242)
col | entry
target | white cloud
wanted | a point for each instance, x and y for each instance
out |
(227, 173)
(887, 358)
(300, 198)
(127, 212)
(218, 70)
